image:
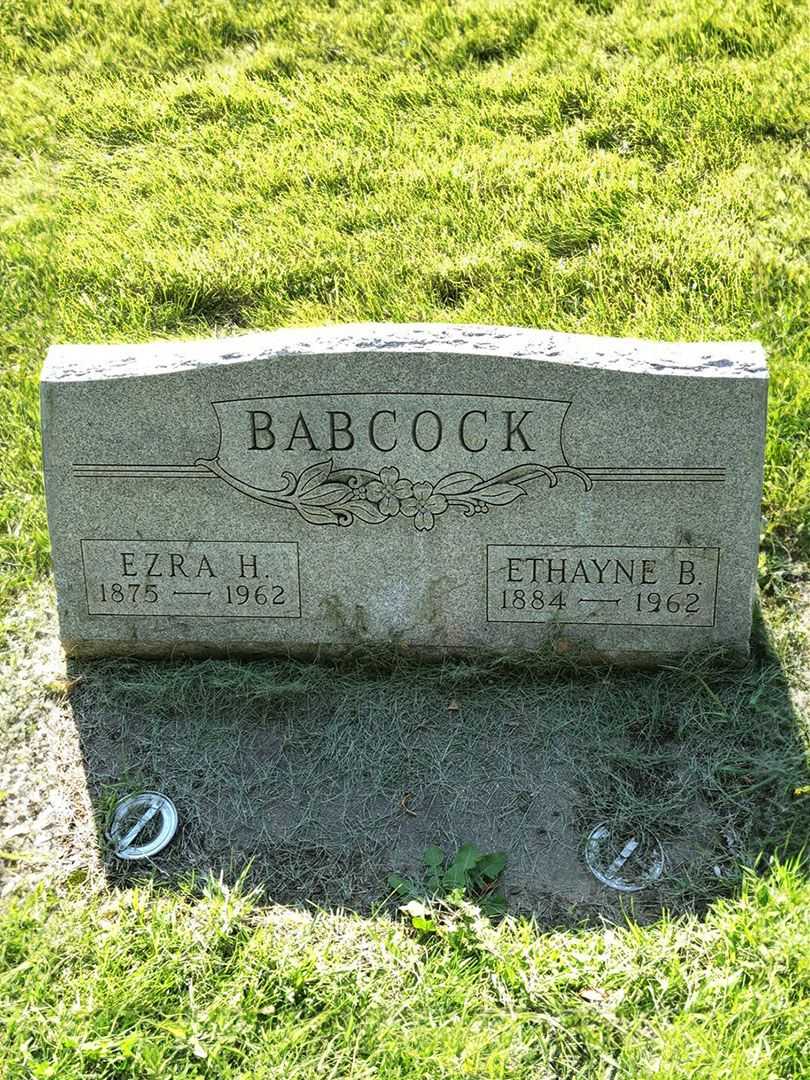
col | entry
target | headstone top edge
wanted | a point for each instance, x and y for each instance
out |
(735, 360)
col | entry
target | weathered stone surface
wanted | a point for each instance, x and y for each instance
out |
(440, 487)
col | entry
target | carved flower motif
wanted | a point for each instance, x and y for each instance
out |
(389, 491)
(424, 504)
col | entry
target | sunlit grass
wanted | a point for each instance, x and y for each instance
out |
(200, 168)
(147, 985)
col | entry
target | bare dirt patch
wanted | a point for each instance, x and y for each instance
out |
(47, 828)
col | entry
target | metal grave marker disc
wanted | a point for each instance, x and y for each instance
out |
(624, 860)
(142, 825)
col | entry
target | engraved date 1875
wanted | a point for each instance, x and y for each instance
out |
(202, 578)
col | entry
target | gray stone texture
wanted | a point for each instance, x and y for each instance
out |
(438, 487)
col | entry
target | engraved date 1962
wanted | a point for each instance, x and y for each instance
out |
(621, 584)
(204, 578)
(133, 592)
(645, 603)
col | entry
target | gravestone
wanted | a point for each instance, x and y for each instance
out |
(438, 487)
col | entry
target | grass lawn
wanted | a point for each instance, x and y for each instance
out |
(179, 168)
(144, 985)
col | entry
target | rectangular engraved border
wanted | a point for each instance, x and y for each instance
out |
(574, 622)
(159, 615)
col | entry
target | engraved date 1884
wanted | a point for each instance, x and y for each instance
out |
(617, 585)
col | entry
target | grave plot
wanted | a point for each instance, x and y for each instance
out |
(326, 781)
(513, 503)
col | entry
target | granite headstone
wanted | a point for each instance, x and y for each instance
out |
(437, 487)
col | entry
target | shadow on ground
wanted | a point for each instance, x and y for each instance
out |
(325, 780)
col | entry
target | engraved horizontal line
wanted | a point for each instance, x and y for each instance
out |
(655, 472)
(132, 465)
(652, 475)
(183, 470)
(637, 547)
(148, 470)
(598, 475)
(653, 468)
(145, 475)
(593, 622)
(188, 592)
(204, 540)
(647, 475)
(642, 473)
(596, 600)
(657, 479)
(185, 615)
(390, 393)
(590, 468)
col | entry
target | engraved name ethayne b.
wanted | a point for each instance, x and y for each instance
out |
(299, 453)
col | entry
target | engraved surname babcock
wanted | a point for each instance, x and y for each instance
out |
(358, 458)
(406, 422)
(340, 458)
(602, 585)
(204, 578)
